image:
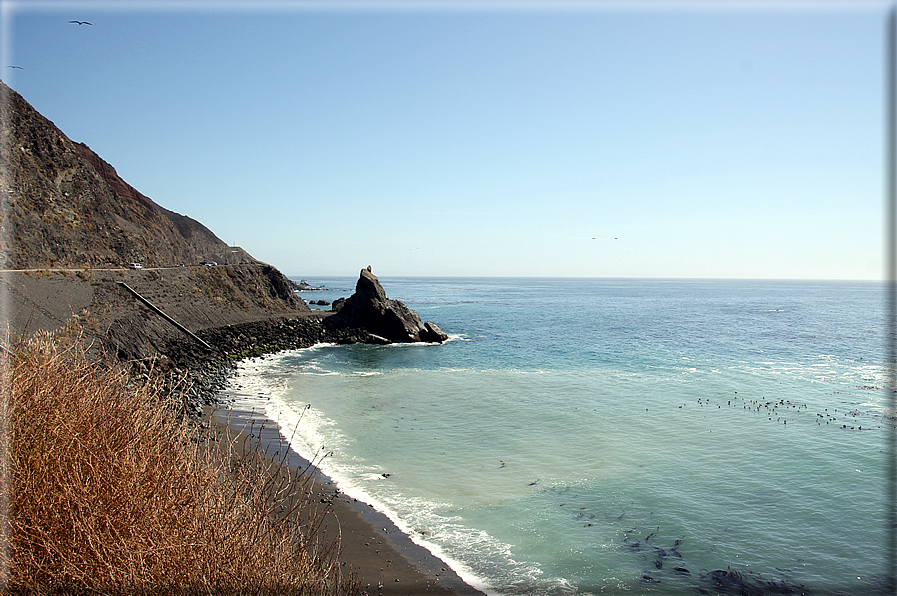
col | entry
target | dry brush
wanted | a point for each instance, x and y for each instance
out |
(104, 490)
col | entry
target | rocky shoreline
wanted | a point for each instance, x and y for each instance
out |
(196, 372)
(197, 375)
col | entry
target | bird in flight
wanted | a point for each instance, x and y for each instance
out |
(19, 67)
(81, 23)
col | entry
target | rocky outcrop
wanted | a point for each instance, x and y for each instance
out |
(303, 285)
(379, 318)
(280, 287)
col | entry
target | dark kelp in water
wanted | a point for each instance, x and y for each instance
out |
(727, 581)
(719, 581)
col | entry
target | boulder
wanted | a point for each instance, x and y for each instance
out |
(369, 309)
(432, 333)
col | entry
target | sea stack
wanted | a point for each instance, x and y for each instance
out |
(384, 320)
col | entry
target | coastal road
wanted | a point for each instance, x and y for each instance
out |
(75, 269)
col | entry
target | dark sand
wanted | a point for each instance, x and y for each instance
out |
(387, 560)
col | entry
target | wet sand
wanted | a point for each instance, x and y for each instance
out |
(387, 560)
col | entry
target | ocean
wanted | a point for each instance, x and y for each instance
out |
(610, 436)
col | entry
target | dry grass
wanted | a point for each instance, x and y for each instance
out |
(104, 491)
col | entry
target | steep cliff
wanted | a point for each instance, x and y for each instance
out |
(64, 206)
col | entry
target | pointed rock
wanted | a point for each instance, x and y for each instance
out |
(369, 309)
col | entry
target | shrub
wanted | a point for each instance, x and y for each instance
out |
(106, 491)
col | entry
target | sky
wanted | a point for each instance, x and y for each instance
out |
(569, 139)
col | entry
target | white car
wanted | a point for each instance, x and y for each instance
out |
(135, 266)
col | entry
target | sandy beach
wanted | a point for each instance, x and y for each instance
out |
(387, 560)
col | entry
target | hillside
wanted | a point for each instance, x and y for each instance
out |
(71, 226)
(66, 207)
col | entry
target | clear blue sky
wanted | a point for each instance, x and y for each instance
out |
(664, 139)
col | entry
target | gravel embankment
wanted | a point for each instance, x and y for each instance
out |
(236, 310)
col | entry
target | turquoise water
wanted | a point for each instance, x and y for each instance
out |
(611, 436)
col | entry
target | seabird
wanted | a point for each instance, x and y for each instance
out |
(81, 22)
(19, 67)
